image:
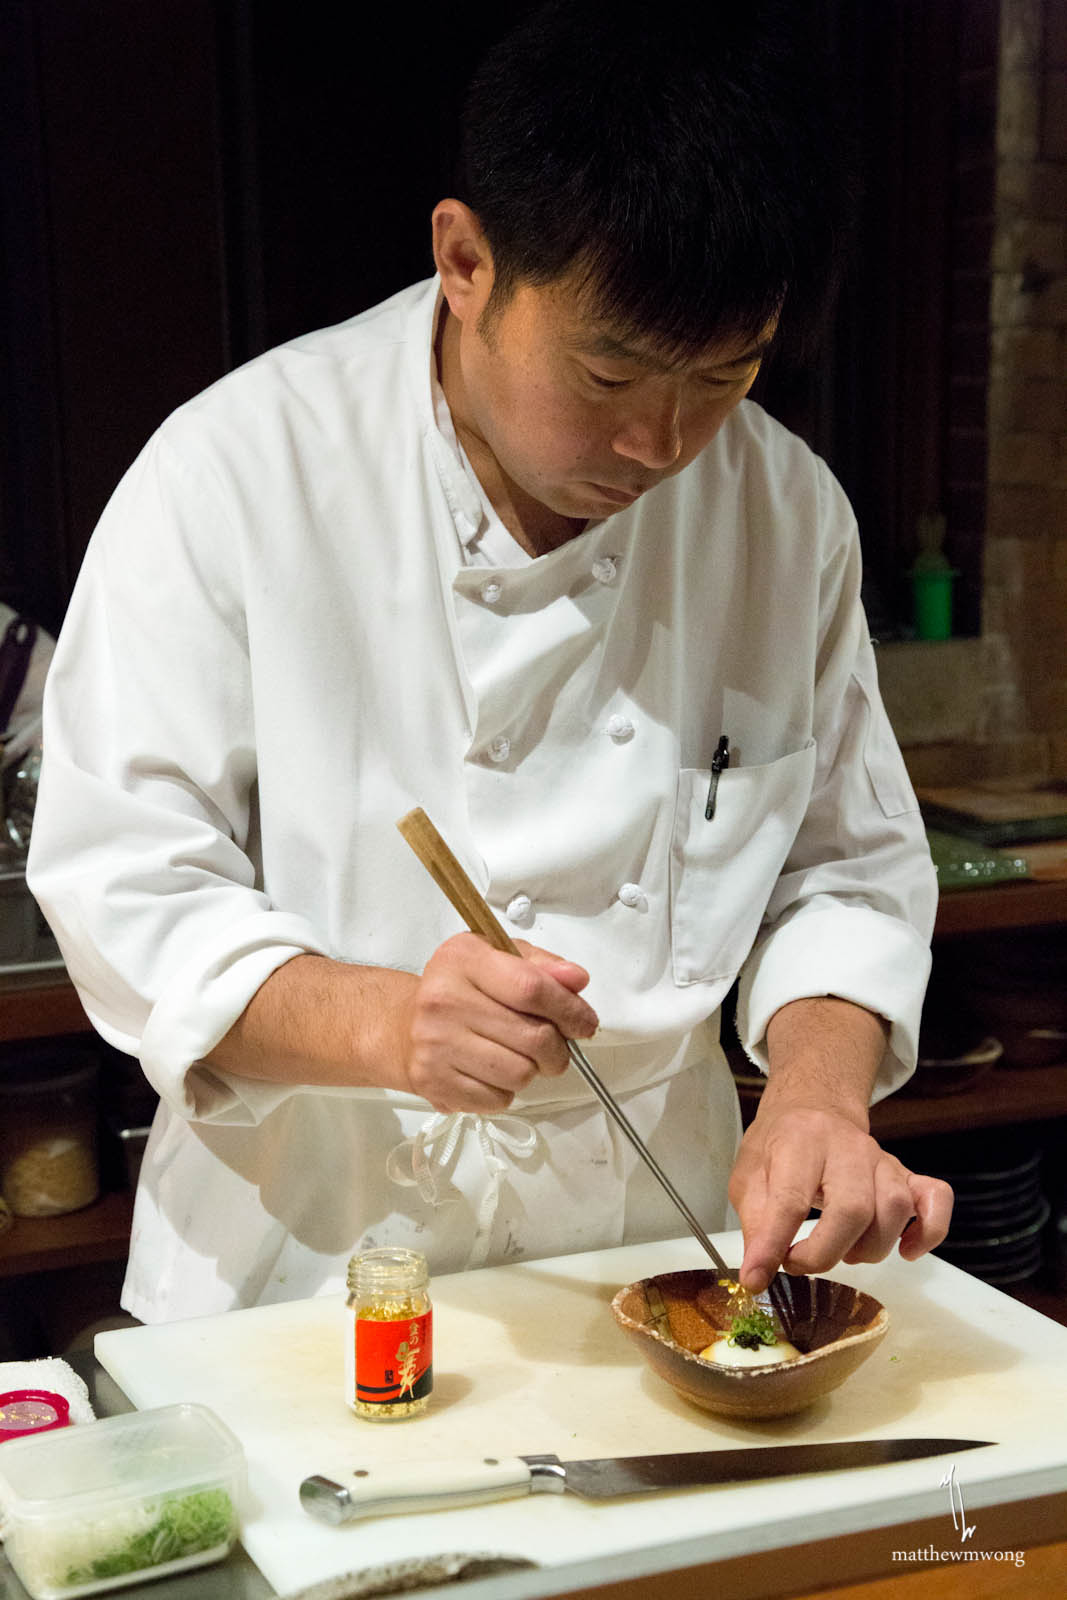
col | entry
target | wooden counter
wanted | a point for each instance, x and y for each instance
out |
(861, 1566)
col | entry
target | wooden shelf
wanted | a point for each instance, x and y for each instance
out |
(1024, 904)
(100, 1232)
(1005, 1095)
(36, 1007)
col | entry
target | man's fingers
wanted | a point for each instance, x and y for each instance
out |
(485, 1021)
(849, 1200)
(565, 972)
(868, 1199)
(536, 984)
(933, 1200)
(479, 1035)
(917, 1215)
(577, 1019)
(461, 1092)
(771, 1207)
(893, 1207)
(531, 984)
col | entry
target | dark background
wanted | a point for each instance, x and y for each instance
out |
(187, 182)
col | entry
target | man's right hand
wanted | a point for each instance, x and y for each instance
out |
(467, 1035)
(481, 1023)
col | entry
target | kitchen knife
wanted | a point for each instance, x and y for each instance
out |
(436, 1485)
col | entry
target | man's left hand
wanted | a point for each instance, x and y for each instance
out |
(809, 1147)
(799, 1158)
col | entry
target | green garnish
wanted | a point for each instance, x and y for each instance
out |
(184, 1525)
(753, 1329)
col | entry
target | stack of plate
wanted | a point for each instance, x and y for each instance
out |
(998, 1222)
(1000, 1213)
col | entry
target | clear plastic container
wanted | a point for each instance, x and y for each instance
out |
(48, 1133)
(110, 1503)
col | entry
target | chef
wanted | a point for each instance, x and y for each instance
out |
(512, 546)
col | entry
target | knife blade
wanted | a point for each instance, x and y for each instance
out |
(408, 1486)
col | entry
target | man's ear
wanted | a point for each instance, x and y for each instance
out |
(463, 259)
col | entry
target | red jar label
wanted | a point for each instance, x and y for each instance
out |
(394, 1360)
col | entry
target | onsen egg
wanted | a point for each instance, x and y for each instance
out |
(738, 1355)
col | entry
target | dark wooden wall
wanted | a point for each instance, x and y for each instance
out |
(186, 182)
(113, 260)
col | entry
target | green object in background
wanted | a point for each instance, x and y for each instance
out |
(932, 592)
(964, 863)
(932, 578)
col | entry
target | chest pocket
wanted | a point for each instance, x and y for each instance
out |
(723, 870)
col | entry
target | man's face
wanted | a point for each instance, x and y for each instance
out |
(579, 419)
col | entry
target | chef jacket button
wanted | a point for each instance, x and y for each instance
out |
(521, 911)
(619, 728)
(490, 592)
(604, 569)
(500, 748)
(632, 895)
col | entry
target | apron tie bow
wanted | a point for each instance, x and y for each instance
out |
(431, 1151)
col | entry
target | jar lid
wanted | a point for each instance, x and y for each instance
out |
(25, 1411)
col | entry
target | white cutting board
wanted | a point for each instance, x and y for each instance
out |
(528, 1359)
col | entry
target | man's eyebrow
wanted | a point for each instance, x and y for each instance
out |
(607, 345)
(755, 353)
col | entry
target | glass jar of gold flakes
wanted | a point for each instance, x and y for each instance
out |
(388, 1333)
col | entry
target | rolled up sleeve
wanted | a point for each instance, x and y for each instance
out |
(145, 822)
(853, 909)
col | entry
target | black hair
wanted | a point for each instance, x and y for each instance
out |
(683, 161)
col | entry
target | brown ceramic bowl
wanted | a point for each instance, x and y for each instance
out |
(834, 1326)
(949, 1074)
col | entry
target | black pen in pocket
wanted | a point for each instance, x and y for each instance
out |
(719, 762)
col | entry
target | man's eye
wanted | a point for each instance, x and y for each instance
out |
(608, 383)
(721, 384)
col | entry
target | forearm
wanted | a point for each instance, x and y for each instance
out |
(322, 1022)
(824, 1052)
(466, 1035)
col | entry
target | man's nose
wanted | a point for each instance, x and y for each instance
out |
(652, 437)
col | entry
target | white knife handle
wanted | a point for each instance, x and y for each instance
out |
(396, 1486)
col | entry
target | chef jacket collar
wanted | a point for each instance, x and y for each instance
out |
(461, 487)
(488, 543)
(482, 536)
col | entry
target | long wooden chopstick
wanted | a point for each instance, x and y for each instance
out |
(449, 876)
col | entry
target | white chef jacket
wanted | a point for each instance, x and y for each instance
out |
(299, 618)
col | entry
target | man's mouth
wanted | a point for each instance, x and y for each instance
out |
(620, 497)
